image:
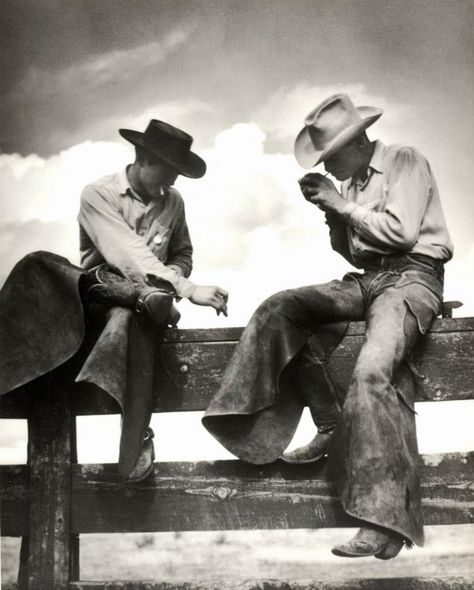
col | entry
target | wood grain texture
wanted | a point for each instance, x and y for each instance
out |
(14, 500)
(226, 495)
(189, 370)
(52, 504)
(190, 365)
(49, 452)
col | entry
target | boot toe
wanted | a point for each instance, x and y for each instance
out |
(310, 453)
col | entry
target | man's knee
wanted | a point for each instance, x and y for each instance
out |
(34, 264)
(282, 302)
(35, 258)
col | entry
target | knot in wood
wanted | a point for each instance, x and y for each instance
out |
(223, 493)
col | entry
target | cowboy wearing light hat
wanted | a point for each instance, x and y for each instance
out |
(136, 245)
(387, 221)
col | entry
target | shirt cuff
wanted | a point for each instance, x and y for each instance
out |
(184, 287)
(177, 269)
(354, 214)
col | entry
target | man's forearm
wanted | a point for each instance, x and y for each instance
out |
(338, 235)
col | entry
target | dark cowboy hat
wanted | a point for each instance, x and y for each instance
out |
(171, 145)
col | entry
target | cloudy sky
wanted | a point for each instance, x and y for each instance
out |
(240, 76)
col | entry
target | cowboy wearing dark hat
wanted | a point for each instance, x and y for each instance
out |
(102, 323)
(136, 245)
(387, 221)
(134, 220)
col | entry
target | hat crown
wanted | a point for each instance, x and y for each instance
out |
(170, 144)
(165, 138)
(330, 118)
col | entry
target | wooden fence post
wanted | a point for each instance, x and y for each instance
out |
(51, 446)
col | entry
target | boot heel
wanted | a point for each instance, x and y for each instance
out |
(391, 550)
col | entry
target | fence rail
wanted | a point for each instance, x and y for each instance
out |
(53, 500)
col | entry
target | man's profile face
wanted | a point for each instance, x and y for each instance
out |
(155, 175)
(345, 162)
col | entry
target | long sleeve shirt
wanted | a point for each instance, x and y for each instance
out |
(117, 227)
(396, 209)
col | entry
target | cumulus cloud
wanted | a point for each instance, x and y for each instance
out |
(49, 189)
(251, 228)
(253, 232)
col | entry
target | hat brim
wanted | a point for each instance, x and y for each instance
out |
(192, 167)
(308, 156)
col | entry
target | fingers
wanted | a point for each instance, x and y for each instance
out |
(222, 293)
(222, 310)
(315, 180)
(309, 192)
(220, 301)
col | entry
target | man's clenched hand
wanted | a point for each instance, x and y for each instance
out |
(320, 191)
(212, 296)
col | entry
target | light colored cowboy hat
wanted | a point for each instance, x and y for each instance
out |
(332, 124)
(171, 145)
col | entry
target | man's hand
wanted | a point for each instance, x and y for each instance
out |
(320, 191)
(212, 296)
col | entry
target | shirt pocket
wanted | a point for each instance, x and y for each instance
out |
(159, 241)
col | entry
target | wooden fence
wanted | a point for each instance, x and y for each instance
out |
(52, 500)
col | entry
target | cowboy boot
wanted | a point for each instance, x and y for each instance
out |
(315, 450)
(144, 466)
(321, 393)
(103, 286)
(371, 540)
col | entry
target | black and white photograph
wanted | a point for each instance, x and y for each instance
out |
(236, 295)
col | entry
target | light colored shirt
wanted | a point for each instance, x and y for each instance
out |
(397, 208)
(139, 239)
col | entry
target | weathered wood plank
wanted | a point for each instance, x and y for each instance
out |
(188, 374)
(423, 583)
(227, 495)
(444, 361)
(14, 500)
(50, 447)
(354, 329)
(191, 364)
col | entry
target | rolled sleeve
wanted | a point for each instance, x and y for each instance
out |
(121, 246)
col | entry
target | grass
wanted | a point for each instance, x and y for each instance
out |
(296, 554)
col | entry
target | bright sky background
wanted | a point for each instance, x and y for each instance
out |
(240, 76)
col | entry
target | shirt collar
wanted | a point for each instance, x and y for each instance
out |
(375, 165)
(123, 183)
(125, 187)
